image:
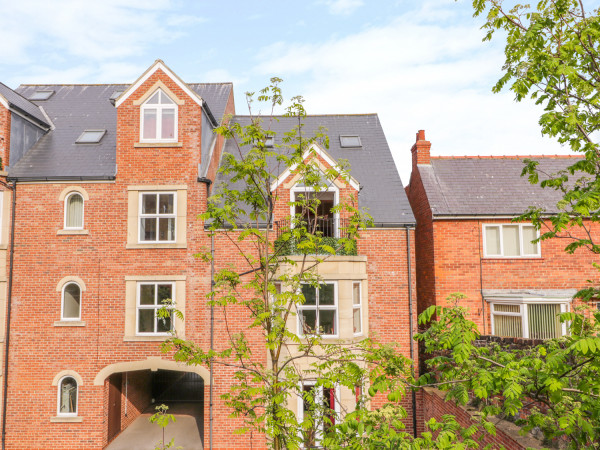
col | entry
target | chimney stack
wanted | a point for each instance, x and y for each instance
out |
(421, 150)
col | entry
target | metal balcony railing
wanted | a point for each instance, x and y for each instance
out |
(328, 229)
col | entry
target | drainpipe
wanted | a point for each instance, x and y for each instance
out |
(8, 301)
(208, 182)
(410, 321)
(483, 316)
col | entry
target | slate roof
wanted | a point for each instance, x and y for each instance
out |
(75, 108)
(488, 186)
(372, 166)
(24, 105)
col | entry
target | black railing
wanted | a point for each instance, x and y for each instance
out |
(328, 229)
(324, 227)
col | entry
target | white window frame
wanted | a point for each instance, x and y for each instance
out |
(357, 306)
(62, 302)
(522, 303)
(154, 307)
(501, 255)
(156, 216)
(58, 399)
(316, 307)
(67, 198)
(337, 406)
(305, 190)
(159, 107)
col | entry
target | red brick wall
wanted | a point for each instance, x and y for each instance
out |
(136, 395)
(4, 135)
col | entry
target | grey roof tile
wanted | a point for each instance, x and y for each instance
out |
(75, 108)
(488, 186)
(372, 165)
(17, 100)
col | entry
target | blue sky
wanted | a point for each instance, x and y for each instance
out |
(418, 64)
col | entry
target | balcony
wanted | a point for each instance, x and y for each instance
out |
(328, 229)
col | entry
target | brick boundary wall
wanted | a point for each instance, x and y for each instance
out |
(507, 433)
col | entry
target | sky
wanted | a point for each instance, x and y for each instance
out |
(419, 64)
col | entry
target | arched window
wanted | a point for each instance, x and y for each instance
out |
(71, 302)
(67, 396)
(159, 118)
(74, 211)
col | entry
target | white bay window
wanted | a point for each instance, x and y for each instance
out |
(528, 319)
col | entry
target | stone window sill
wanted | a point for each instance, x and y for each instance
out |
(66, 419)
(69, 323)
(72, 232)
(160, 338)
(157, 245)
(157, 144)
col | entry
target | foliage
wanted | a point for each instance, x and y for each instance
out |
(163, 419)
(264, 296)
(553, 387)
(553, 57)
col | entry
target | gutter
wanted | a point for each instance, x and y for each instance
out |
(8, 307)
(62, 178)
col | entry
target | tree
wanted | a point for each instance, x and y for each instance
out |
(269, 291)
(552, 56)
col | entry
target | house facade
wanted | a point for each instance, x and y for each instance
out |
(467, 242)
(102, 188)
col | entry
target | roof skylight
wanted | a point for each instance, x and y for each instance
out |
(350, 141)
(41, 95)
(91, 137)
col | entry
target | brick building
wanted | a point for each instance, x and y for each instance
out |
(103, 187)
(466, 242)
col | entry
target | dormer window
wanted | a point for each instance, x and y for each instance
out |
(159, 119)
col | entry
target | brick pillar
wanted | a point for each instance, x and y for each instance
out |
(4, 135)
(421, 150)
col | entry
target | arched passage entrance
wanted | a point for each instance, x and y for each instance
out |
(134, 388)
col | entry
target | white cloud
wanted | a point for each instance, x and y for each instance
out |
(416, 75)
(343, 7)
(39, 32)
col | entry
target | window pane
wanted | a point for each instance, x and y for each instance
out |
(166, 230)
(148, 203)
(356, 293)
(72, 301)
(75, 211)
(154, 100)
(164, 293)
(68, 396)
(147, 294)
(508, 326)
(510, 236)
(507, 308)
(356, 320)
(308, 318)
(163, 325)
(327, 321)
(166, 100)
(149, 124)
(543, 321)
(148, 229)
(309, 293)
(168, 124)
(529, 234)
(326, 294)
(146, 320)
(492, 241)
(165, 203)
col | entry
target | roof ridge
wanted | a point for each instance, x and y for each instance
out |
(313, 115)
(507, 156)
(212, 82)
(70, 84)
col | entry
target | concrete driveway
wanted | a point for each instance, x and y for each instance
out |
(142, 435)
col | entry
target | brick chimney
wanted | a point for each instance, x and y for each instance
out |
(421, 150)
(4, 134)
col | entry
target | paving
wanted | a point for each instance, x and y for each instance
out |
(142, 435)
